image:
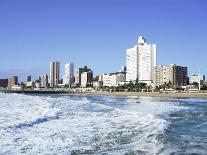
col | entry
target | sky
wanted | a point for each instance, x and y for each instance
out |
(97, 33)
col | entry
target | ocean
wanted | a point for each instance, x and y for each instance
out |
(90, 124)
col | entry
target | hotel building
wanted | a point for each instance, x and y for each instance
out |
(140, 60)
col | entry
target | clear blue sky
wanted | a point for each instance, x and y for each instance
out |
(98, 32)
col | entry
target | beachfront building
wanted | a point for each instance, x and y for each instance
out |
(68, 74)
(79, 71)
(140, 60)
(44, 81)
(171, 74)
(86, 79)
(54, 73)
(198, 78)
(113, 79)
(12, 81)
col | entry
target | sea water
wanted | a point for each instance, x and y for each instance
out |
(90, 124)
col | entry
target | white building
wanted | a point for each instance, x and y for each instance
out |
(113, 79)
(86, 78)
(44, 81)
(199, 78)
(54, 73)
(68, 74)
(140, 60)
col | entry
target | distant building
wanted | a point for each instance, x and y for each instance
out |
(87, 79)
(12, 81)
(198, 78)
(54, 73)
(29, 78)
(113, 79)
(140, 60)
(3, 83)
(44, 81)
(68, 77)
(170, 74)
(29, 82)
(79, 71)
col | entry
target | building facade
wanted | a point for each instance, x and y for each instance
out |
(44, 81)
(140, 60)
(171, 74)
(113, 79)
(79, 71)
(87, 79)
(198, 78)
(12, 81)
(68, 74)
(54, 73)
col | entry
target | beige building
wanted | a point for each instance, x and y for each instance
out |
(12, 81)
(171, 74)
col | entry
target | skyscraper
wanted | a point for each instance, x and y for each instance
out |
(54, 73)
(140, 61)
(68, 74)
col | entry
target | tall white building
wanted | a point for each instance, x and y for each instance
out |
(68, 74)
(140, 60)
(54, 73)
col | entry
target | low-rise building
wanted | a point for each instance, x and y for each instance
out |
(113, 79)
(198, 78)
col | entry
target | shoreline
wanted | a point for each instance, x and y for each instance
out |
(105, 93)
(151, 94)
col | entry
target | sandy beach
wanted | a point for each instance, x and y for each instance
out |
(151, 94)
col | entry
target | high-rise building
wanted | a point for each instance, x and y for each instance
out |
(79, 71)
(68, 74)
(54, 73)
(171, 74)
(12, 81)
(140, 60)
(86, 78)
(44, 81)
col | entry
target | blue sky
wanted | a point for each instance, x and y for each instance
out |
(98, 32)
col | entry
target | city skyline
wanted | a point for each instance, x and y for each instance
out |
(93, 32)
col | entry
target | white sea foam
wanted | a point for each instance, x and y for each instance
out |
(66, 124)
